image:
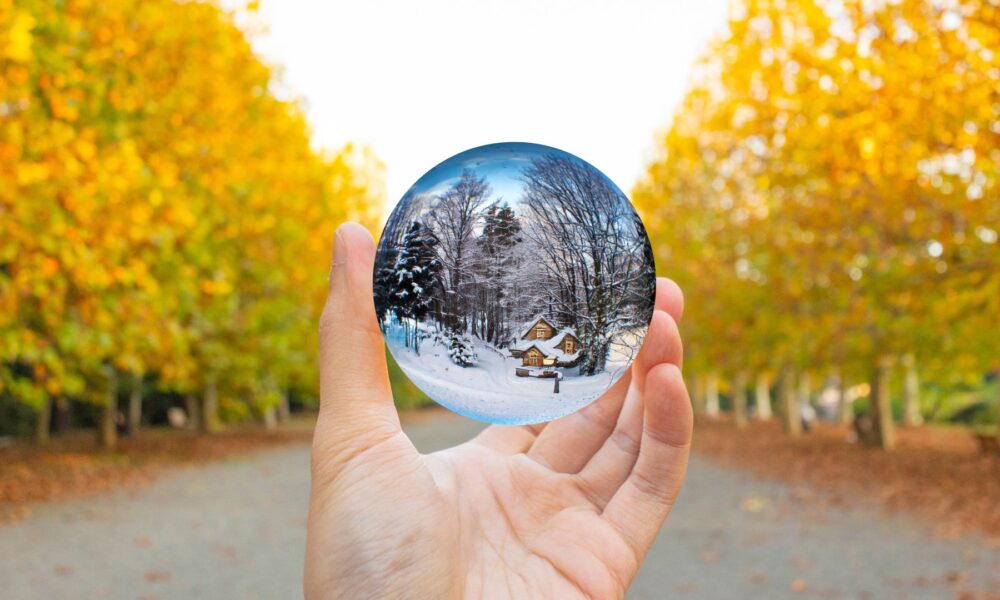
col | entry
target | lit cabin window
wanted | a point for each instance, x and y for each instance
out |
(540, 332)
(569, 346)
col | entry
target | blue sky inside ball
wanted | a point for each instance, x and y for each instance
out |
(502, 164)
(514, 283)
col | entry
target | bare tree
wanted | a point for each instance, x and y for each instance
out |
(598, 261)
(455, 215)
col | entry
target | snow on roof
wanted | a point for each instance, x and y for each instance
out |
(547, 347)
(558, 338)
(531, 325)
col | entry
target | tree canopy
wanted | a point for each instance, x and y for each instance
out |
(827, 191)
(162, 211)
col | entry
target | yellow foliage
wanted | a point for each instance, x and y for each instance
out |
(828, 191)
(160, 210)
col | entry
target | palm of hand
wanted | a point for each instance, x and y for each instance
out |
(528, 531)
(563, 510)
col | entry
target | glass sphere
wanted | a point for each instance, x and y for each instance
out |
(514, 283)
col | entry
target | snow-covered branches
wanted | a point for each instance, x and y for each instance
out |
(570, 247)
(597, 260)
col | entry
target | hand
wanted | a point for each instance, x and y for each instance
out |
(561, 510)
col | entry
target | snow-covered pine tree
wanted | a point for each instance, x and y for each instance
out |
(460, 351)
(414, 277)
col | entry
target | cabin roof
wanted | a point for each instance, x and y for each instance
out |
(547, 348)
(534, 321)
(558, 338)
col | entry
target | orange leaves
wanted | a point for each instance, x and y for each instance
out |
(50, 266)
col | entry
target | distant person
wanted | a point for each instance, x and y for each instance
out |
(563, 510)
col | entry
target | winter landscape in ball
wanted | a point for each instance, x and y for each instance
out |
(514, 283)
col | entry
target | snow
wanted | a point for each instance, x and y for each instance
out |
(491, 391)
(548, 347)
(530, 324)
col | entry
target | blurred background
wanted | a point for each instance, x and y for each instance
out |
(819, 176)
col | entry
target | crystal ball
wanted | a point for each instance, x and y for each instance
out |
(514, 283)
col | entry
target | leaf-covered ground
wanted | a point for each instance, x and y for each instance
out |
(236, 529)
(938, 472)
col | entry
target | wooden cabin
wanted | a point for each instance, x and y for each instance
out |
(542, 344)
(540, 329)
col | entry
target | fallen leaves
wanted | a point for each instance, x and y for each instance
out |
(157, 576)
(72, 467)
(937, 472)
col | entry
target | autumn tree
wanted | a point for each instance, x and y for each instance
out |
(162, 213)
(821, 193)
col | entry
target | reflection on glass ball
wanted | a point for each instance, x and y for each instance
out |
(514, 283)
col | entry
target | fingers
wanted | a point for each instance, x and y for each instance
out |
(355, 396)
(669, 298)
(638, 508)
(611, 465)
(662, 345)
(567, 444)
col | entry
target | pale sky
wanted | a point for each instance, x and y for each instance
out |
(420, 81)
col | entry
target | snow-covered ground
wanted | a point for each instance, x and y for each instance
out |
(490, 391)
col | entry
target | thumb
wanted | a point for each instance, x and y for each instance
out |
(355, 395)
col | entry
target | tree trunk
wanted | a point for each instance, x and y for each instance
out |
(998, 401)
(804, 394)
(846, 406)
(911, 393)
(880, 407)
(107, 432)
(43, 422)
(712, 395)
(270, 418)
(210, 408)
(61, 417)
(283, 409)
(193, 413)
(763, 397)
(698, 397)
(135, 405)
(740, 399)
(789, 405)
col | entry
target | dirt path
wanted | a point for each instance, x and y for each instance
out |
(235, 529)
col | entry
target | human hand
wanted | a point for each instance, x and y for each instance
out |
(558, 510)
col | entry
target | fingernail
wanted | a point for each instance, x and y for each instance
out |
(339, 252)
(339, 248)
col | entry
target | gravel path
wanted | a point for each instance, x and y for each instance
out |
(236, 528)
